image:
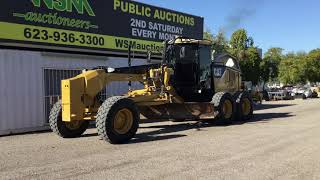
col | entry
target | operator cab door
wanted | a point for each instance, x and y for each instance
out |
(205, 74)
(192, 74)
(184, 60)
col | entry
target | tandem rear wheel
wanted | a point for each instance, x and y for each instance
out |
(244, 106)
(228, 108)
(224, 107)
(117, 120)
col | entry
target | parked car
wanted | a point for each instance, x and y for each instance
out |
(304, 93)
(280, 95)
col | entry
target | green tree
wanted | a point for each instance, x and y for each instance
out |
(315, 54)
(208, 35)
(291, 69)
(266, 67)
(275, 54)
(239, 43)
(219, 41)
(312, 66)
(270, 64)
(250, 42)
(242, 47)
(239, 40)
(250, 66)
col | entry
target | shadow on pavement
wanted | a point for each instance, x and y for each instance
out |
(165, 129)
(270, 106)
(162, 132)
(265, 117)
(149, 121)
(140, 138)
(201, 125)
(89, 135)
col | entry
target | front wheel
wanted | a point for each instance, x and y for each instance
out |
(117, 120)
(65, 129)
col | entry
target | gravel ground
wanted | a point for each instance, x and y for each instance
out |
(282, 142)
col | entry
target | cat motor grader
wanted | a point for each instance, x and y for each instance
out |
(188, 84)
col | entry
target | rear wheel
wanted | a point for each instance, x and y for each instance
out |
(117, 120)
(244, 106)
(65, 129)
(224, 108)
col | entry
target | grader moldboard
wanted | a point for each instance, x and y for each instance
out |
(188, 84)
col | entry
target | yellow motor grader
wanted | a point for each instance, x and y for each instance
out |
(189, 83)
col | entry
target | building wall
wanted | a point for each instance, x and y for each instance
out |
(22, 85)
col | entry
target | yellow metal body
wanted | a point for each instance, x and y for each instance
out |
(79, 93)
(317, 90)
(246, 106)
(123, 121)
(157, 98)
(227, 109)
(79, 100)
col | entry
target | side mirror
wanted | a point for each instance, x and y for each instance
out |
(149, 55)
(182, 52)
(212, 54)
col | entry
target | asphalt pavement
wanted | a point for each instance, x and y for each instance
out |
(281, 142)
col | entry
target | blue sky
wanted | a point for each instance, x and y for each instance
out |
(291, 24)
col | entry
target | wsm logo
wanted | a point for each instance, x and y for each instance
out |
(81, 6)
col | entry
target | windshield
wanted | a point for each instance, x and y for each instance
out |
(205, 57)
(182, 54)
(205, 62)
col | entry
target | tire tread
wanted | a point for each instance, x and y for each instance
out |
(105, 112)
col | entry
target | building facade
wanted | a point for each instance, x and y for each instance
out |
(30, 85)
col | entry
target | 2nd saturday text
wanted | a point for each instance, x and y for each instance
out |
(152, 30)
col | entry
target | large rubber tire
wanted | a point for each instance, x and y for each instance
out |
(106, 119)
(62, 128)
(244, 107)
(223, 115)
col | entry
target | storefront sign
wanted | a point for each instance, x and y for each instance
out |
(93, 26)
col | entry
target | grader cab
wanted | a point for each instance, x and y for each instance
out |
(188, 84)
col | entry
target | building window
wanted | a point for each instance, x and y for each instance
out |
(52, 87)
